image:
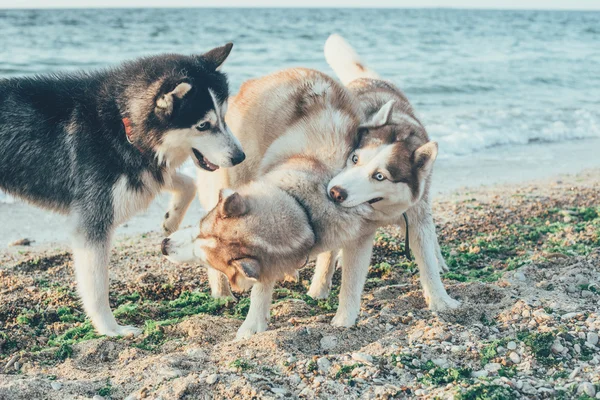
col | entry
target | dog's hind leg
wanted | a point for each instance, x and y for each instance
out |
(423, 243)
(91, 256)
(321, 281)
(184, 190)
(356, 257)
(260, 306)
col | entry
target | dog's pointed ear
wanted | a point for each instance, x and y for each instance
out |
(381, 117)
(166, 103)
(217, 56)
(249, 267)
(231, 204)
(424, 158)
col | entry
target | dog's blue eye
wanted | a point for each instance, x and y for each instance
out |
(354, 158)
(379, 176)
(203, 126)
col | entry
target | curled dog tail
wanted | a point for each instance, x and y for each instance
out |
(344, 61)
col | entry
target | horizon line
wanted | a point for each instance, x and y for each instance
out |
(167, 7)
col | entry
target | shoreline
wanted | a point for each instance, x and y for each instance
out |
(505, 165)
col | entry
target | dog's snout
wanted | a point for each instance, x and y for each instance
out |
(338, 194)
(238, 158)
(164, 246)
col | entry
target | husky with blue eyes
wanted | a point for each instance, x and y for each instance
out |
(389, 169)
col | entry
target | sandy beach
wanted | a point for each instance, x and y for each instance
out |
(524, 260)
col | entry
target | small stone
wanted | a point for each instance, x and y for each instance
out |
(493, 367)
(569, 316)
(520, 276)
(56, 385)
(328, 342)
(557, 348)
(415, 335)
(291, 360)
(514, 357)
(480, 374)
(362, 357)
(519, 385)
(416, 363)
(577, 348)
(212, 379)
(527, 388)
(511, 345)
(280, 391)
(574, 373)
(323, 365)
(592, 338)
(307, 393)
(586, 388)
(97, 397)
(586, 293)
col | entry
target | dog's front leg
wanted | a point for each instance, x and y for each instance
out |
(321, 281)
(260, 306)
(423, 244)
(219, 285)
(184, 190)
(91, 255)
(356, 257)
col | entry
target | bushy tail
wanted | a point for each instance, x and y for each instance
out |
(344, 61)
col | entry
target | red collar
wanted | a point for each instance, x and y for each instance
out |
(128, 130)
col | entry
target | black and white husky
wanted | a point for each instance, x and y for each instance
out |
(99, 146)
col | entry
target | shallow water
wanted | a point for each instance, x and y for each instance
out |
(478, 79)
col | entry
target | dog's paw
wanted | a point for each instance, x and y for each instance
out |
(249, 328)
(343, 319)
(122, 330)
(318, 292)
(444, 303)
(171, 222)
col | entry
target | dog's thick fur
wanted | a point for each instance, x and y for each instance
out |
(384, 170)
(100, 146)
(298, 127)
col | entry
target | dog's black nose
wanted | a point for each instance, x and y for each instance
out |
(163, 246)
(238, 158)
(338, 194)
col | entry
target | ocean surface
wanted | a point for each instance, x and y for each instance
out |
(479, 80)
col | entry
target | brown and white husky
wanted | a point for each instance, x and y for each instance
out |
(388, 170)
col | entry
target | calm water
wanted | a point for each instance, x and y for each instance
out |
(478, 79)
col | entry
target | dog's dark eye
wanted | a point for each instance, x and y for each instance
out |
(203, 126)
(379, 176)
(354, 158)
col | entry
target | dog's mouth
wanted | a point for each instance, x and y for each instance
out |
(375, 200)
(203, 162)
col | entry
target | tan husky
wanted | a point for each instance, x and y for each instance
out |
(298, 127)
